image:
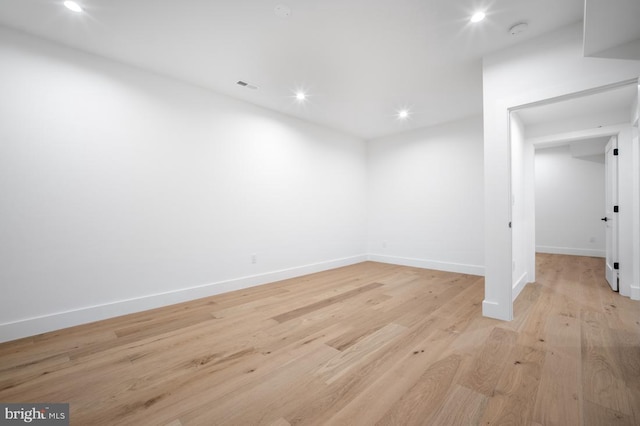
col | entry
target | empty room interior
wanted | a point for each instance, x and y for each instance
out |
(305, 213)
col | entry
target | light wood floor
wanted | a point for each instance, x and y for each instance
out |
(361, 345)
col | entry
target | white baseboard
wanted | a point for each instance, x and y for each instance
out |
(571, 251)
(518, 286)
(635, 293)
(429, 264)
(495, 310)
(42, 324)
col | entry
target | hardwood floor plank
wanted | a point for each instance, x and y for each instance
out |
(596, 415)
(532, 332)
(364, 325)
(23, 373)
(260, 403)
(462, 406)
(515, 393)
(280, 422)
(423, 399)
(484, 373)
(386, 367)
(603, 381)
(558, 396)
(387, 384)
(340, 364)
(324, 303)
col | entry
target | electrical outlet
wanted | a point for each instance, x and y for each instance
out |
(384, 244)
(254, 258)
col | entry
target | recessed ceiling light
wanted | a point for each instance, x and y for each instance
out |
(403, 114)
(300, 96)
(72, 5)
(478, 16)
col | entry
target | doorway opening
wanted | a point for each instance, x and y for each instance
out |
(564, 184)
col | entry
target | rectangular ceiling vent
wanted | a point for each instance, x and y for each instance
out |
(247, 85)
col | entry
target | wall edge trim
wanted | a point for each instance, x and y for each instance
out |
(571, 251)
(428, 264)
(493, 309)
(635, 292)
(519, 285)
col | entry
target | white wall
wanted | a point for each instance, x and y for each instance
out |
(122, 190)
(539, 69)
(425, 197)
(569, 203)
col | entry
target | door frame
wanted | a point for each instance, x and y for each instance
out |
(498, 285)
(573, 136)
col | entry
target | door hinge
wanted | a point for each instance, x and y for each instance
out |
(615, 151)
(615, 209)
(616, 265)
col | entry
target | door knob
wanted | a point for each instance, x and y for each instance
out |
(604, 219)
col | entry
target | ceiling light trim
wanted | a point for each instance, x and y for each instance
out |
(478, 16)
(73, 6)
(403, 114)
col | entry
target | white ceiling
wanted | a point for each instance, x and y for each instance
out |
(612, 29)
(359, 60)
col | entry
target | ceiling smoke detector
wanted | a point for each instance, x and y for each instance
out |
(282, 11)
(518, 28)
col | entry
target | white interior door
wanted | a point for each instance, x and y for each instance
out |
(611, 219)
